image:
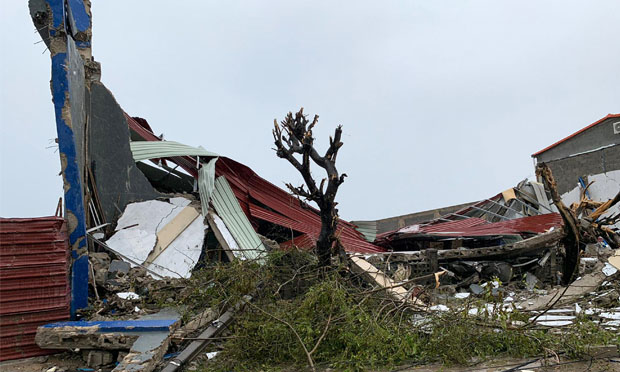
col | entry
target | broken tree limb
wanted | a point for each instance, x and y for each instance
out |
(571, 225)
(604, 207)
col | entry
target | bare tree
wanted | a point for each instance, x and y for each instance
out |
(293, 139)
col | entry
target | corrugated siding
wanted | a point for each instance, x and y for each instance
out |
(228, 208)
(34, 281)
(367, 228)
(206, 184)
(247, 185)
(144, 150)
(476, 227)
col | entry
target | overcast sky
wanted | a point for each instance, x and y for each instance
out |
(441, 102)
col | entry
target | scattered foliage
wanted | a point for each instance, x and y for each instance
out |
(303, 318)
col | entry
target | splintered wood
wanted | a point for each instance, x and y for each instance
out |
(379, 278)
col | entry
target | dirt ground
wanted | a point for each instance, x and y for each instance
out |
(605, 360)
(64, 362)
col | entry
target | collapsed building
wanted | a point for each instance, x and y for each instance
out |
(133, 200)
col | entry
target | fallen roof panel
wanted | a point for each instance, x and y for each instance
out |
(144, 150)
(475, 227)
(227, 207)
(249, 188)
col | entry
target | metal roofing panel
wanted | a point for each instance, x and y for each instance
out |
(206, 184)
(367, 228)
(475, 227)
(305, 241)
(227, 207)
(246, 185)
(34, 281)
(144, 150)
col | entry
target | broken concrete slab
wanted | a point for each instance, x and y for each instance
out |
(148, 350)
(107, 335)
(146, 338)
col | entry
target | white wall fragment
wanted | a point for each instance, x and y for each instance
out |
(136, 236)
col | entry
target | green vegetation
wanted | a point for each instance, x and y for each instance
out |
(301, 315)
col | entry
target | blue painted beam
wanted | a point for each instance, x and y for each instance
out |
(72, 180)
(158, 325)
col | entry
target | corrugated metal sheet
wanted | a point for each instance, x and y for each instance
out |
(143, 150)
(252, 190)
(227, 207)
(34, 281)
(476, 227)
(305, 241)
(141, 129)
(367, 228)
(206, 184)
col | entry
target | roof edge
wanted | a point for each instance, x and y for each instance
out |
(609, 116)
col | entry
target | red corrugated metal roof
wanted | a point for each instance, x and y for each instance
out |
(34, 281)
(576, 133)
(305, 241)
(476, 227)
(254, 192)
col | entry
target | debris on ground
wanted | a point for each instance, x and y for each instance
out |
(195, 261)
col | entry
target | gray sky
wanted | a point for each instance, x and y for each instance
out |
(442, 102)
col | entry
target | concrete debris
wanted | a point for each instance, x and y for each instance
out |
(147, 214)
(98, 358)
(145, 339)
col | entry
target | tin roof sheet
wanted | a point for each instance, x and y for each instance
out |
(143, 150)
(251, 191)
(34, 281)
(227, 207)
(476, 227)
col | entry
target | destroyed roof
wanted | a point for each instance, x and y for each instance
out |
(261, 200)
(609, 116)
(144, 150)
(477, 227)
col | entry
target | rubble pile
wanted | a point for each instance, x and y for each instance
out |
(170, 244)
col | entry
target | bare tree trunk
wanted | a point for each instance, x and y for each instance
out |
(572, 238)
(293, 137)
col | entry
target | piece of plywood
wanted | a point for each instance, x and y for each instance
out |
(615, 259)
(509, 195)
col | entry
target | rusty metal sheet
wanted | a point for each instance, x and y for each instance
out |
(34, 281)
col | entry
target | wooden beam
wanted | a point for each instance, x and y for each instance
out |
(171, 231)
